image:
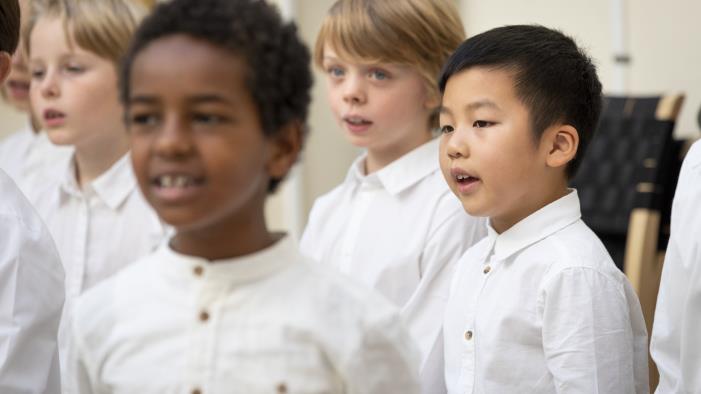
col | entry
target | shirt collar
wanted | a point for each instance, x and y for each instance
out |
(113, 187)
(401, 173)
(537, 226)
(234, 271)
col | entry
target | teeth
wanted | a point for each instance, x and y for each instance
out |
(174, 180)
(462, 177)
(356, 121)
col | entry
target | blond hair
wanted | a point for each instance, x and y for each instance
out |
(418, 33)
(103, 27)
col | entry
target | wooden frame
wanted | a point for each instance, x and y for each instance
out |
(643, 261)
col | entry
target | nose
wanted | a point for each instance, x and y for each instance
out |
(456, 144)
(354, 92)
(174, 139)
(49, 85)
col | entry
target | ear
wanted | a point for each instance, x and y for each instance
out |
(285, 148)
(562, 142)
(5, 65)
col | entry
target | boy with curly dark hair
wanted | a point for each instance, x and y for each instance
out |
(216, 94)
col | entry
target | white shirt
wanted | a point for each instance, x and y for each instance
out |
(98, 231)
(541, 308)
(269, 322)
(675, 345)
(29, 159)
(400, 231)
(31, 297)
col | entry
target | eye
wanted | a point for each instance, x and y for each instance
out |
(74, 68)
(208, 119)
(37, 73)
(379, 75)
(447, 129)
(482, 123)
(143, 119)
(335, 72)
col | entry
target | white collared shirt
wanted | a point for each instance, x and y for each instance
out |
(269, 322)
(31, 297)
(29, 157)
(98, 231)
(675, 345)
(541, 308)
(399, 230)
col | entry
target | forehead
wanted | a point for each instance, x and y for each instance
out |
(52, 37)
(182, 64)
(481, 84)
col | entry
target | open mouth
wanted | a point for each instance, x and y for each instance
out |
(19, 87)
(356, 121)
(53, 118)
(465, 179)
(181, 181)
(51, 114)
(466, 182)
(356, 124)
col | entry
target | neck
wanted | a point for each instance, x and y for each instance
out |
(545, 196)
(379, 158)
(234, 238)
(95, 158)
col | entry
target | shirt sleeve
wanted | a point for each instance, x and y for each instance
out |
(588, 340)
(453, 233)
(674, 346)
(384, 361)
(31, 300)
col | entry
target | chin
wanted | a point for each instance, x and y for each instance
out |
(60, 137)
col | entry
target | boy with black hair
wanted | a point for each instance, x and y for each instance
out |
(31, 276)
(538, 305)
(226, 306)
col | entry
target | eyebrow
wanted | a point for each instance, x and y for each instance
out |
(471, 106)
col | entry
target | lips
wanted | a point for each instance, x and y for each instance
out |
(357, 124)
(176, 187)
(466, 182)
(53, 118)
(18, 89)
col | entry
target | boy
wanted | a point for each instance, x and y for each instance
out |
(226, 306)
(393, 223)
(26, 154)
(92, 204)
(31, 278)
(674, 346)
(538, 305)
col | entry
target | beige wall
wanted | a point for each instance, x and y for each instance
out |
(10, 120)
(664, 40)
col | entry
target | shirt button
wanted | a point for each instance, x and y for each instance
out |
(487, 269)
(282, 388)
(198, 271)
(204, 316)
(468, 335)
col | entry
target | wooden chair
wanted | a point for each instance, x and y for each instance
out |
(626, 184)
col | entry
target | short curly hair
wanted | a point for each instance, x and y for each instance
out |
(9, 28)
(278, 62)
